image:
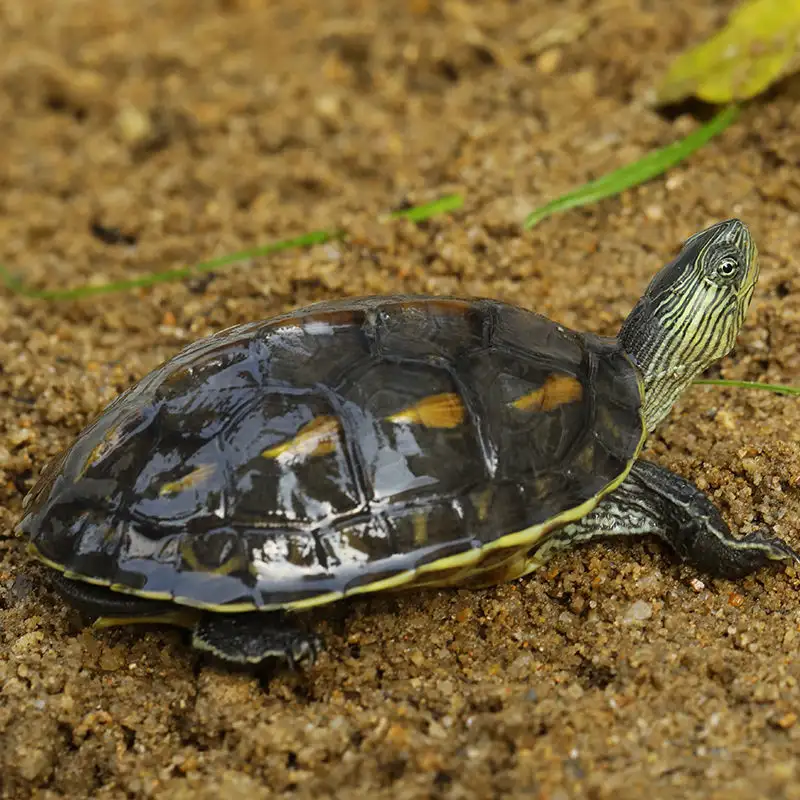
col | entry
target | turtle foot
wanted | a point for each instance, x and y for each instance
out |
(254, 637)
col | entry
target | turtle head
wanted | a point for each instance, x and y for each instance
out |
(691, 313)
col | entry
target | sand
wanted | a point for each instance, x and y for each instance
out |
(202, 128)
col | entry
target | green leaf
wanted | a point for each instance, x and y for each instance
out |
(450, 202)
(652, 165)
(415, 214)
(306, 240)
(759, 45)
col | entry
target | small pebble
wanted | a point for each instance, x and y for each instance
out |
(638, 612)
(786, 721)
(547, 63)
(735, 599)
(18, 436)
(27, 643)
(133, 124)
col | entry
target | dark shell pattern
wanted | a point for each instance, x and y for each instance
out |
(347, 447)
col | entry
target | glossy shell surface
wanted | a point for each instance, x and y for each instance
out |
(347, 447)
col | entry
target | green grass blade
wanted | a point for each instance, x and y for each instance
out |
(443, 205)
(306, 240)
(652, 165)
(415, 214)
(768, 387)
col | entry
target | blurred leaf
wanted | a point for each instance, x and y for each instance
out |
(759, 45)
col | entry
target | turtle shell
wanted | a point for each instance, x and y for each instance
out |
(346, 447)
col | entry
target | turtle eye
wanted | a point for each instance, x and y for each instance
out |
(725, 268)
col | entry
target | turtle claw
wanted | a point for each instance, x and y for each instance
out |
(774, 549)
(304, 648)
(745, 554)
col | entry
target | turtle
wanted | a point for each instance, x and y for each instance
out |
(384, 443)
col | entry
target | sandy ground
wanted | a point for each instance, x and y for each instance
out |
(199, 128)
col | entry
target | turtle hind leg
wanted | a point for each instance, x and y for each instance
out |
(101, 601)
(654, 501)
(253, 637)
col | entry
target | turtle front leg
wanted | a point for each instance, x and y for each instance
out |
(652, 500)
(252, 637)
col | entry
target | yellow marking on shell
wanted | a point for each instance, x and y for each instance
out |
(123, 589)
(385, 584)
(420, 524)
(436, 411)
(316, 438)
(505, 572)
(110, 438)
(189, 481)
(33, 551)
(233, 564)
(558, 390)
(482, 501)
(189, 557)
(585, 459)
(236, 563)
(466, 559)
